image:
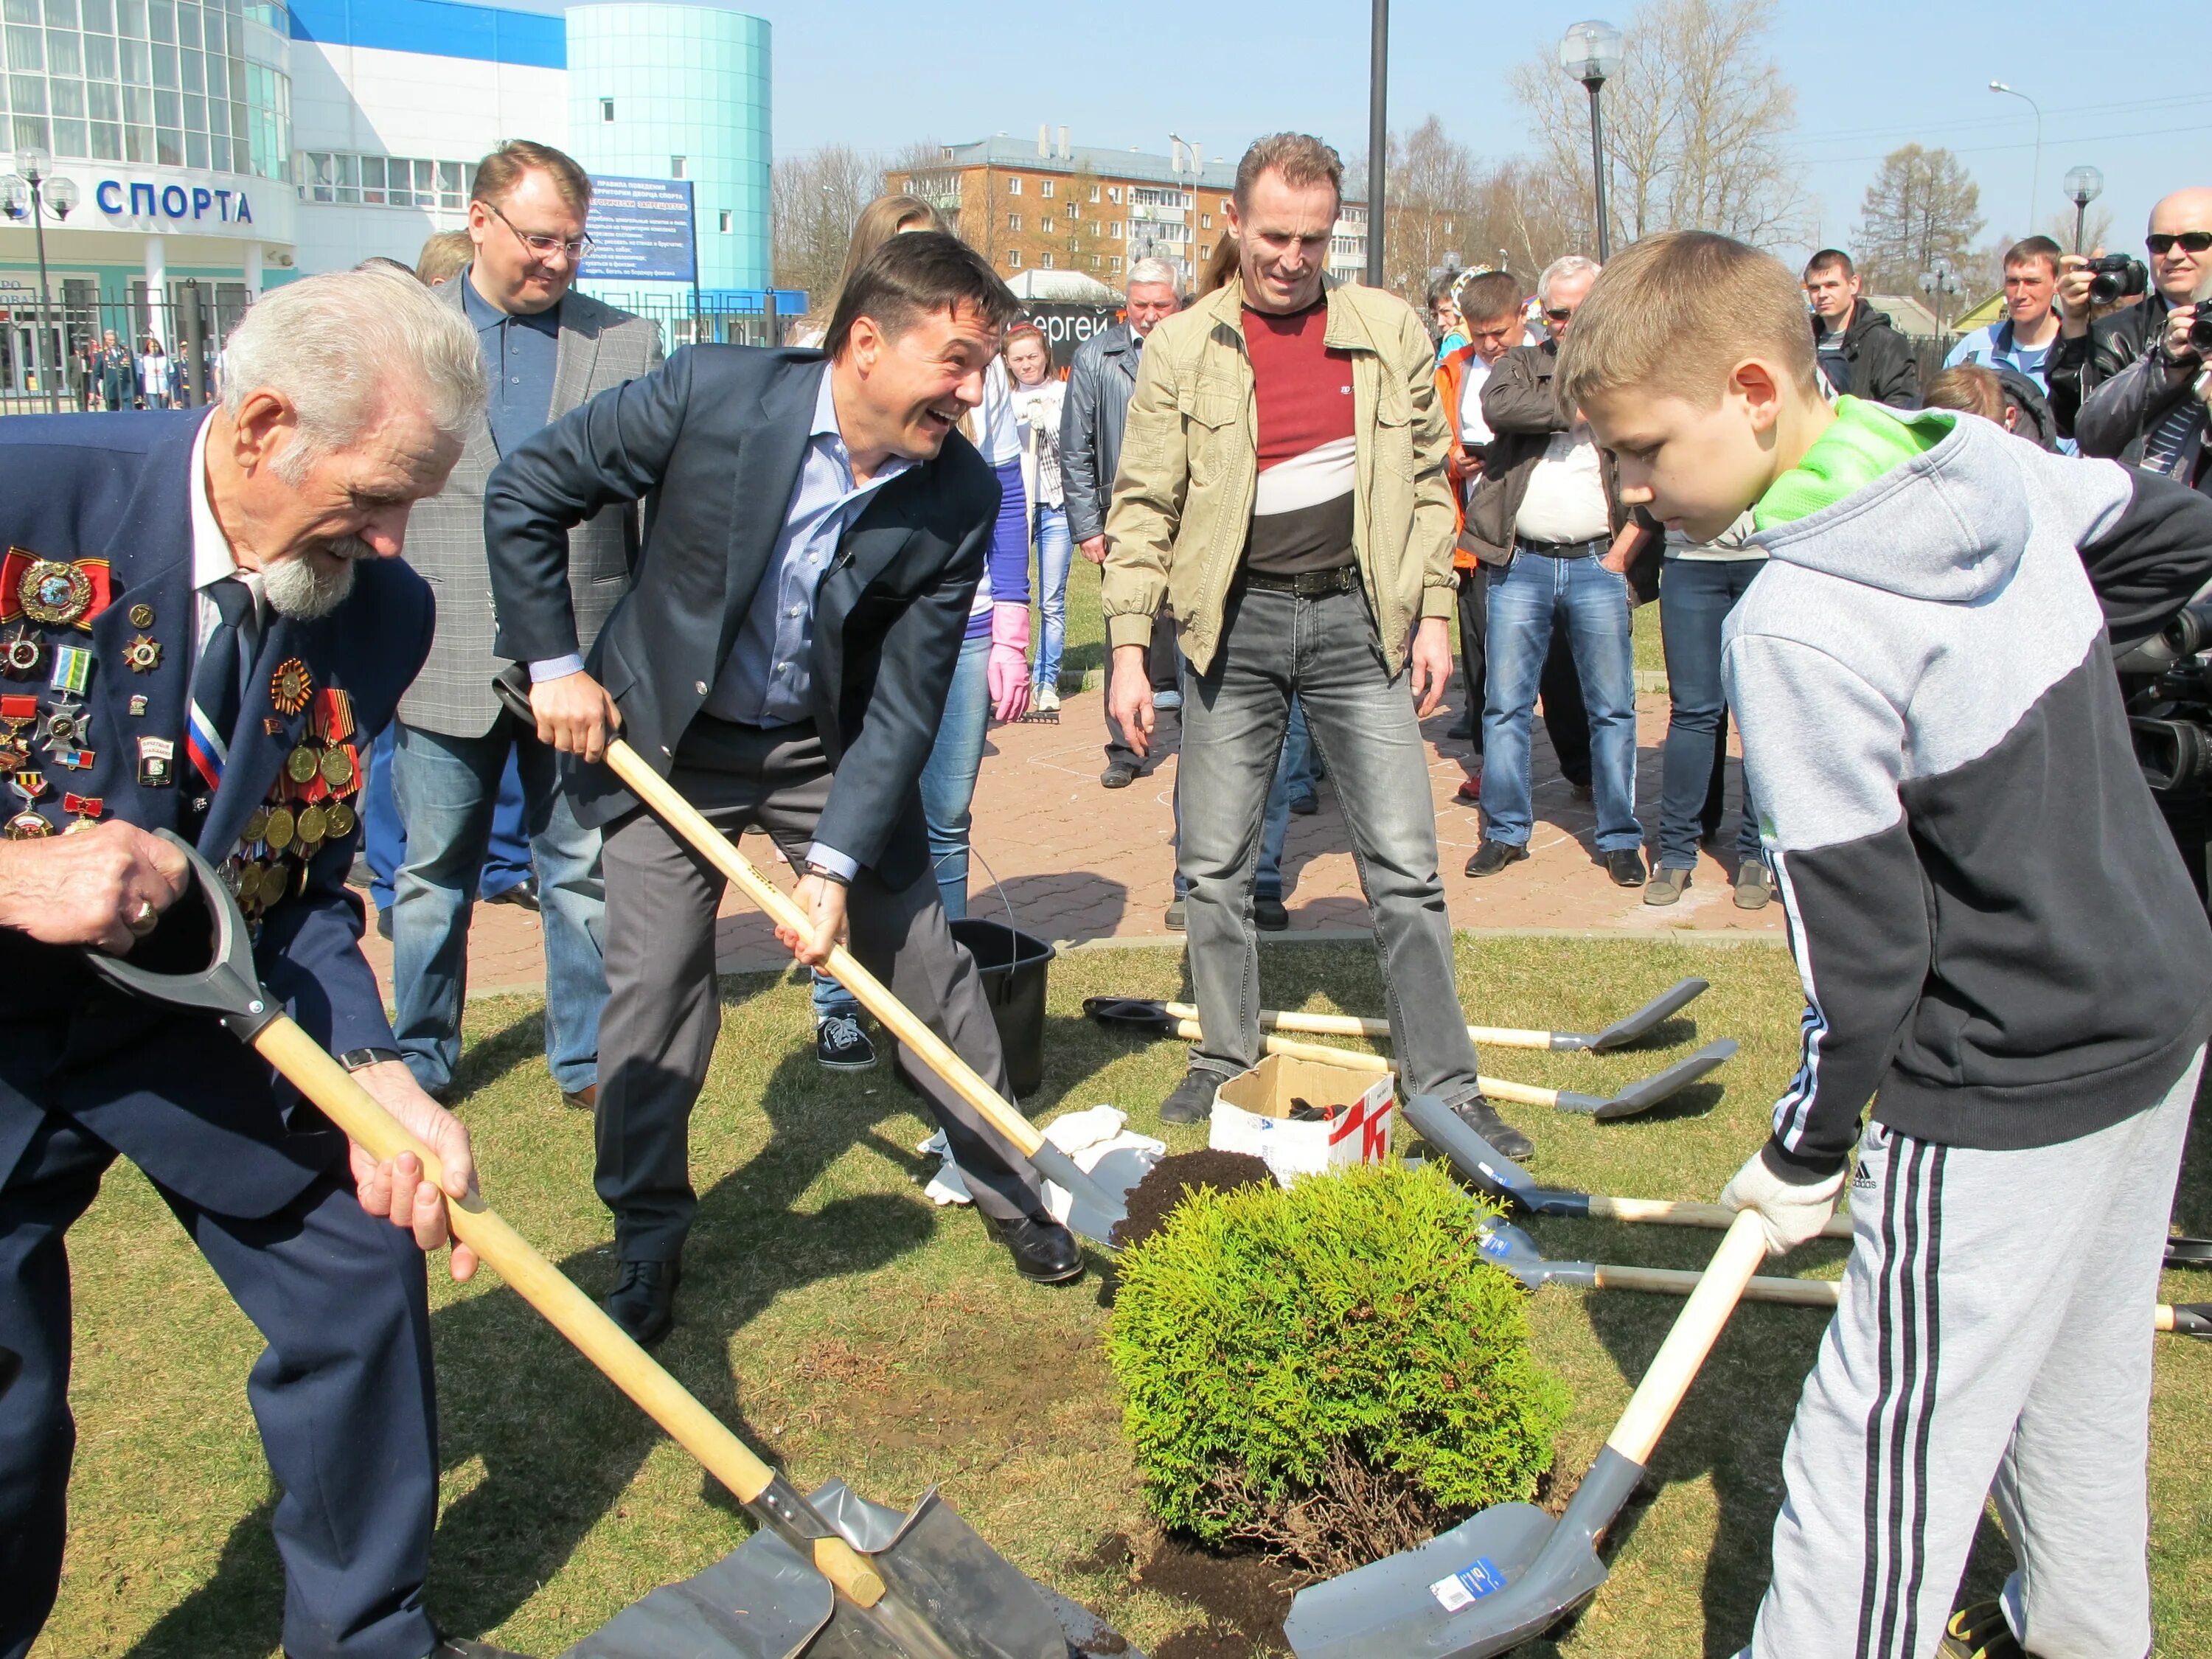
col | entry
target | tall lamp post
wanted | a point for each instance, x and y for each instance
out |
(1590, 52)
(1378, 137)
(2084, 184)
(44, 195)
(1941, 284)
(2035, 178)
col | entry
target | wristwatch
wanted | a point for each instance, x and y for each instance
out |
(354, 1059)
(826, 873)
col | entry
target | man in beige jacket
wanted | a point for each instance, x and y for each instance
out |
(1282, 487)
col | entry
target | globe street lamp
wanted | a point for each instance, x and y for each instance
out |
(1941, 284)
(2035, 178)
(2084, 184)
(1590, 52)
(44, 194)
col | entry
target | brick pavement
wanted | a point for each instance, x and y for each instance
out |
(1076, 862)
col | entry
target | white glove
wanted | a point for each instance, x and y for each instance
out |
(1791, 1211)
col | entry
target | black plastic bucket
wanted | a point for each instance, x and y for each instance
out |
(1013, 965)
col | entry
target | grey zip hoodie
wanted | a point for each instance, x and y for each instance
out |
(1997, 939)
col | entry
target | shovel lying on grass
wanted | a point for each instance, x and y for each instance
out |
(818, 1579)
(1099, 1199)
(1127, 1014)
(1508, 1574)
(1618, 1034)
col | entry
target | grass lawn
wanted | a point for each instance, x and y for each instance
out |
(844, 1326)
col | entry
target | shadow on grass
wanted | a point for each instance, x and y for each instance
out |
(550, 1444)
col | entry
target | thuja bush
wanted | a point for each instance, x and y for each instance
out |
(1331, 1372)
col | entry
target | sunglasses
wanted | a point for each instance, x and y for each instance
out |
(2191, 241)
(1557, 316)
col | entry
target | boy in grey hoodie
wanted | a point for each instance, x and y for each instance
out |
(1998, 940)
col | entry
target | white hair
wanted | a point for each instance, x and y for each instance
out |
(1567, 265)
(1153, 270)
(337, 347)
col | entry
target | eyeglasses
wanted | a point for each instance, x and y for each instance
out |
(544, 247)
(2192, 242)
(1556, 314)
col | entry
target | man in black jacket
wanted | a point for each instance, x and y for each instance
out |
(816, 533)
(2090, 353)
(1860, 351)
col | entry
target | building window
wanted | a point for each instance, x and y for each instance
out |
(1114, 194)
(1046, 261)
(1013, 222)
(1013, 258)
(675, 167)
(727, 217)
(1114, 262)
(1046, 224)
(1114, 230)
(401, 181)
(1013, 186)
(1205, 221)
(1225, 205)
(606, 109)
(1093, 192)
(1095, 261)
(1044, 188)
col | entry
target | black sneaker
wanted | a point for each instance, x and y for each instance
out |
(1494, 855)
(1979, 1631)
(1117, 777)
(1269, 915)
(1463, 728)
(1625, 867)
(1478, 1116)
(1174, 919)
(1305, 804)
(840, 1045)
(1192, 1099)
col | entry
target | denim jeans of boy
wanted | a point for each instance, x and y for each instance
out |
(1526, 600)
(1324, 653)
(1695, 597)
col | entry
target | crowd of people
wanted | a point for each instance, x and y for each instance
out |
(798, 583)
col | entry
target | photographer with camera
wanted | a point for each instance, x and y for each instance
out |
(2090, 353)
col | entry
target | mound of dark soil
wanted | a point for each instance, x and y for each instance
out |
(1172, 1178)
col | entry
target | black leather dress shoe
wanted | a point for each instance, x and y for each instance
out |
(1480, 1116)
(1044, 1252)
(644, 1303)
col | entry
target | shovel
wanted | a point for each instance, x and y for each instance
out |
(1618, 1034)
(932, 1589)
(1508, 1574)
(1098, 1201)
(1129, 1014)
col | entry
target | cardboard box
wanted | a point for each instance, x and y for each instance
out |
(1252, 1113)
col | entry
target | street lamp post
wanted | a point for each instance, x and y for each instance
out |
(59, 195)
(1590, 52)
(2035, 178)
(2084, 184)
(1378, 137)
(1941, 284)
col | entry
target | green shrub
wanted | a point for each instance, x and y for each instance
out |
(1331, 1372)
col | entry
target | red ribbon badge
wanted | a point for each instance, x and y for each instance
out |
(22, 708)
(16, 565)
(89, 806)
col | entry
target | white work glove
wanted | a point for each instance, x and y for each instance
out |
(1792, 1211)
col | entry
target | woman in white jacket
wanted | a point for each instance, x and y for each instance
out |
(1038, 395)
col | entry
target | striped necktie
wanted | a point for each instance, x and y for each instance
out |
(218, 683)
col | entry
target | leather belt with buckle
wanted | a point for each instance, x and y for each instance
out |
(1307, 584)
(1588, 550)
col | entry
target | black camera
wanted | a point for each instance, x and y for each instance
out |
(2166, 682)
(2116, 277)
(2200, 329)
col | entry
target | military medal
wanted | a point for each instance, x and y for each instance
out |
(340, 768)
(257, 825)
(72, 669)
(157, 763)
(22, 654)
(87, 809)
(302, 764)
(66, 725)
(333, 721)
(314, 823)
(77, 759)
(17, 712)
(29, 824)
(278, 831)
(342, 818)
(290, 686)
(53, 592)
(141, 655)
(142, 615)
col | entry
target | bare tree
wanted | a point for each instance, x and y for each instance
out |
(1695, 122)
(1444, 201)
(815, 197)
(1922, 208)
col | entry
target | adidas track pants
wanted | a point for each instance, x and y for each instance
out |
(1994, 1339)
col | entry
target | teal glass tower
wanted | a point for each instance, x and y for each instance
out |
(665, 91)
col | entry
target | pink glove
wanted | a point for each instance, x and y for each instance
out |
(1009, 670)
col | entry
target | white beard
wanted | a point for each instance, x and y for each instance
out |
(296, 588)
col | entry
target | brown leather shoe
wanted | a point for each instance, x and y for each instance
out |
(586, 1099)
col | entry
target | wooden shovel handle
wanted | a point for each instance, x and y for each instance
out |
(1690, 1213)
(1497, 1036)
(1697, 1328)
(1497, 1088)
(1679, 1281)
(544, 1287)
(679, 815)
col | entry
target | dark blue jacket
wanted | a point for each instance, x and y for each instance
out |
(712, 441)
(188, 1104)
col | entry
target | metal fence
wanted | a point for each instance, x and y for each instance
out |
(167, 347)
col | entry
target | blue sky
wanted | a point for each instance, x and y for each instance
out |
(1869, 77)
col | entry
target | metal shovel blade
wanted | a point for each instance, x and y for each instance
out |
(1638, 1097)
(1489, 1584)
(2188, 1252)
(1639, 1024)
(950, 1594)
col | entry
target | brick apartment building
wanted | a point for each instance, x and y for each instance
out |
(1060, 207)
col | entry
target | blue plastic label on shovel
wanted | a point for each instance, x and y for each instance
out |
(1468, 1585)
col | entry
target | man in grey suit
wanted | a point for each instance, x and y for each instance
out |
(547, 350)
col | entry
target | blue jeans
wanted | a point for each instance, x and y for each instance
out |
(1323, 652)
(384, 837)
(447, 787)
(1523, 602)
(1696, 596)
(1293, 773)
(1054, 551)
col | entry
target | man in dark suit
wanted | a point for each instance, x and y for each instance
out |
(816, 531)
(199, 611)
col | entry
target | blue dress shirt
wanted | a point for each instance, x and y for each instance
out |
(519, 353)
